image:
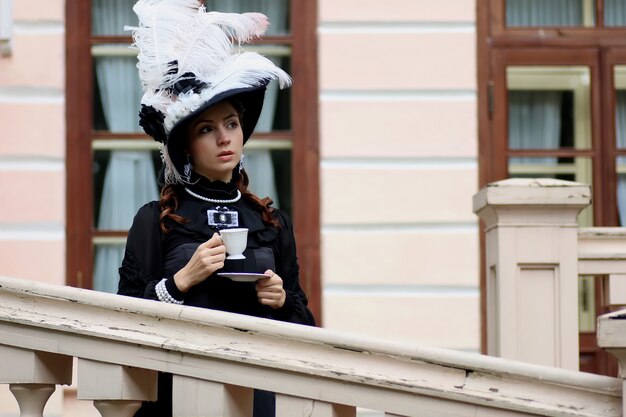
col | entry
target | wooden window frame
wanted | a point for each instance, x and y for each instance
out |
(599, 48)
(304, 135)
(550, 35)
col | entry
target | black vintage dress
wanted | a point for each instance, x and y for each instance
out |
(151, 256)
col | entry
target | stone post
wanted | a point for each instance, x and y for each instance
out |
(532, 268)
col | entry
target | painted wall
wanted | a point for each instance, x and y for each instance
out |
(32, 155)
(32, 149)
(400, 256)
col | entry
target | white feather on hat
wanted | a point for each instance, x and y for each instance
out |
(187, 56)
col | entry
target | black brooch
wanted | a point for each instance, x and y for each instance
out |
(151, 120)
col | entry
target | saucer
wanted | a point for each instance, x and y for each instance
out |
(242, 276)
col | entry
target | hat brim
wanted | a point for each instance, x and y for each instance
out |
(251, 99)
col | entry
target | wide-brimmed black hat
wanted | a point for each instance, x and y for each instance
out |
(190, 60)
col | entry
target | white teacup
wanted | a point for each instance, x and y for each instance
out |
(235, 241)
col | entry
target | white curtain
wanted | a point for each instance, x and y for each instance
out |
(275, 10)
(258, 162)
(614, 13)
(620, 128)
(534, 123)
(130, 179)
(544, 12)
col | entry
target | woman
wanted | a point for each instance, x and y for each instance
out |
(183, 265)
(204, 109)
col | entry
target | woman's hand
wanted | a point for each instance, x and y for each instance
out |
(208, 258)
(270, 290)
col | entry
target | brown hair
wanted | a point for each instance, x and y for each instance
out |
(262, 205)
(169, 204)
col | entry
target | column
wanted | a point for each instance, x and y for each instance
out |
(532, 268)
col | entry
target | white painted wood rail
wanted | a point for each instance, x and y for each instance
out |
(602, 251)
(122, 341)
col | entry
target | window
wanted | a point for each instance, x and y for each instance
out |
(536, 13)
(552, 96)
(113, 167)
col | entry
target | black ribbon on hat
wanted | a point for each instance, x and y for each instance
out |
(151, 120)
(187, 83)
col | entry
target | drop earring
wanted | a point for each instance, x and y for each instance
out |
(188, 168)
(241, 163)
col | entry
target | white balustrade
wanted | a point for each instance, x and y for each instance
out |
(535, 253)
(218, 358)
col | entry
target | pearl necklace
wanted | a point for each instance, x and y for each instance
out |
(214, 200)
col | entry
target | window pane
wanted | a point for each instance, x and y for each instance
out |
(269, 170)
(621, 189)
(277, 11)
(620, 106)
(124, 180)
(548, 108)
(532, 13)
(614, 13)
(117, 89)
(108, 17)
(108, 254)
(620, 118)
(276, 113)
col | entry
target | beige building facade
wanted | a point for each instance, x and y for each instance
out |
(398, 144)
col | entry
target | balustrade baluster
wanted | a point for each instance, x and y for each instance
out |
(116, 390)
(117, 408)
(32, 376)
(195, 397)
(32, 398)
(288, 406)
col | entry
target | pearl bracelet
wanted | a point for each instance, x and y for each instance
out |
(164, 295)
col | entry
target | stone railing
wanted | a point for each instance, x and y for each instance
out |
(535, 254)
(217, 358)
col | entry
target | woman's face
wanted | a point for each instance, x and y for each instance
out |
(216, 142)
